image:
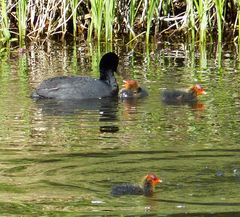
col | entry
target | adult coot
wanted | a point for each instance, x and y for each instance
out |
(131, 90)
(150, 181)
(76, 87)
(182, 96)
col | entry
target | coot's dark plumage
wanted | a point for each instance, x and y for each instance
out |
(132, 90)
(180, 96)
(150, 181)
(76, 87)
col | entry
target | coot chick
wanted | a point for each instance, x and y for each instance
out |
(76, 87)
(131, 90)
(181, 96)
(150, 181)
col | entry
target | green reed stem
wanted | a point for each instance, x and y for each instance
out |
(190, 12)
(74, 4)
(132, 16)
(202, 7)
(166, 6)
(237, 26)
(97, 11)
(22, 20)
(4, 24)
(150, 13)
(219, 4)
(109, 18)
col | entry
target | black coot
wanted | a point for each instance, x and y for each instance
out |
(76, 87)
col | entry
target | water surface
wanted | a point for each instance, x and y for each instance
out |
(61, 158)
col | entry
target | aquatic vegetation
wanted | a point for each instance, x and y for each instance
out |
(202, 9)
(22, 20)
(96, 17)
(109, 18)
(4, 24)
(173, 20)
(74, 4)
(150, 13)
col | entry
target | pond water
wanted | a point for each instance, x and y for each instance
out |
(62, 158)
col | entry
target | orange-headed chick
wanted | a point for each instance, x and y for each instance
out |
(149, 183)
(132, 89)
(181, 96)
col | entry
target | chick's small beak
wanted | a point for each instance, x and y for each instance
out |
(124, 84)
(156, 181)
(201, 92)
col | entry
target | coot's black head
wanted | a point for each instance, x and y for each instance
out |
(108, 63)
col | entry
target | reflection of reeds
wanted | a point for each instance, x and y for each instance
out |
(41, 19)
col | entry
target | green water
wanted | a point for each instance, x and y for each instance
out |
(61, 159)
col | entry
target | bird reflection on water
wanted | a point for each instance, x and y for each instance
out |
(106, 107)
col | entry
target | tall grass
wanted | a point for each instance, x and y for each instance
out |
(238, 16)
(109, 13)
(202, 18)
(22, 20)
(132, 15)
(191, 22)
(42, 19)
(151, 8)
(74, 4)
(97, 17)
(4, 25)
(219, 10)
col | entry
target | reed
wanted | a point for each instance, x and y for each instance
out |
(22, 20)
(132, 14)
(42, 19)
(238, 17)
(191, 19)
(97, 8)
(109, 13)
(202, 18)
(74, 4)
(4, 24)
(150, 13)
(133, 10)
(219, 4)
